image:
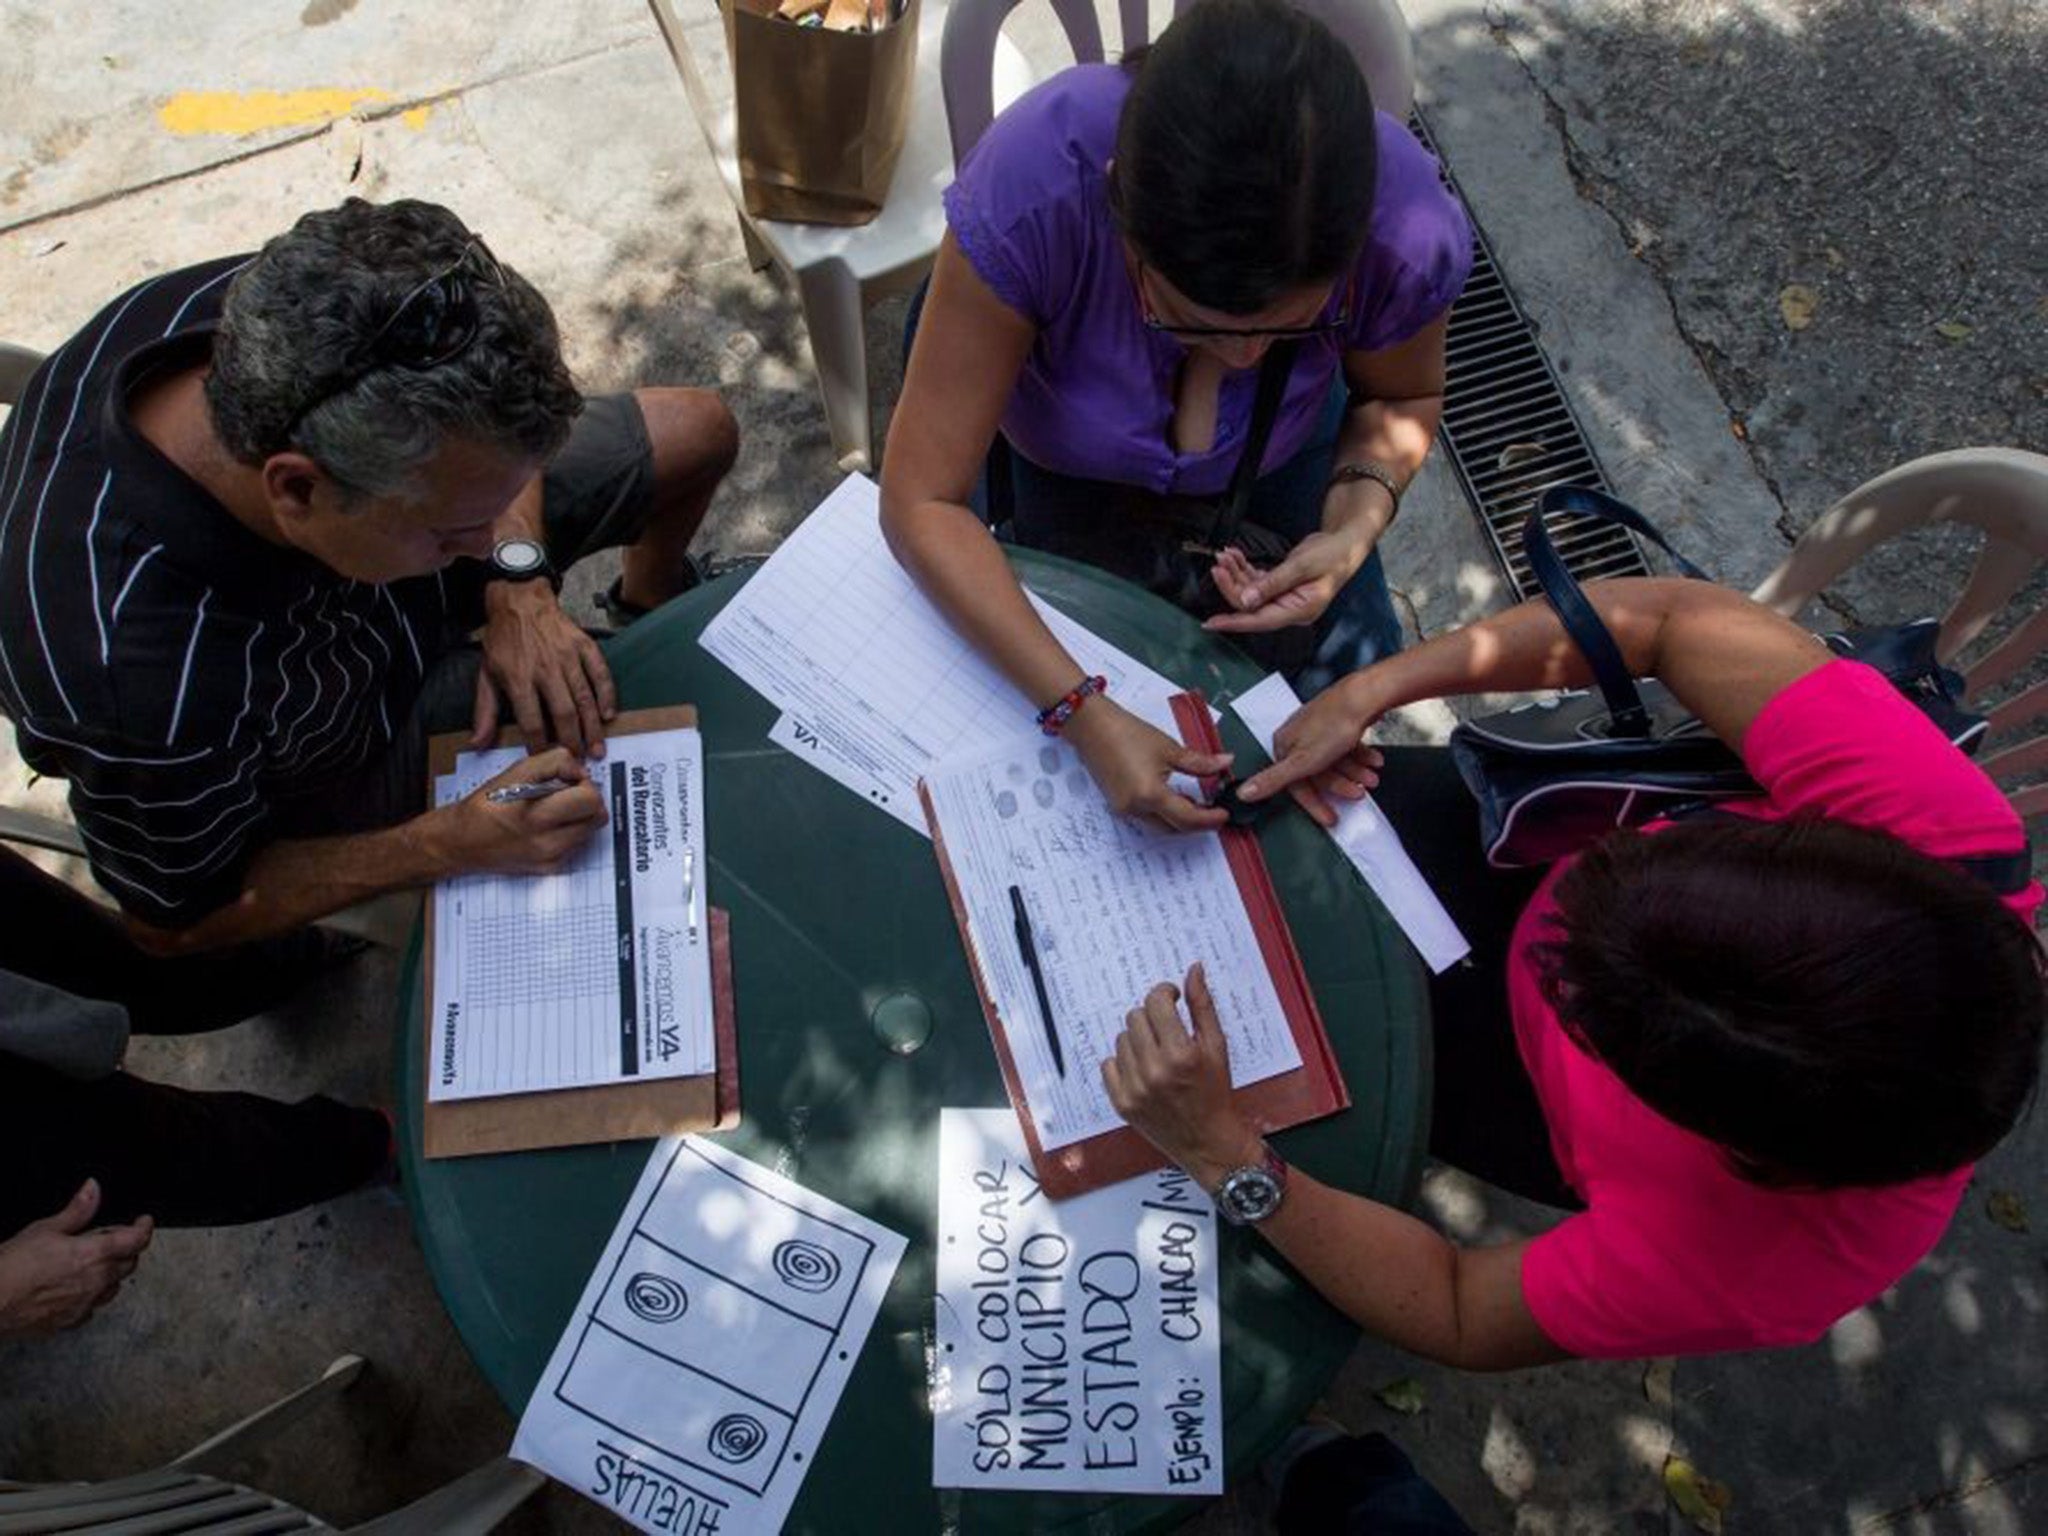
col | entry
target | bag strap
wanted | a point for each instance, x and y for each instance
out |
(1274, 372)
(1627, 716)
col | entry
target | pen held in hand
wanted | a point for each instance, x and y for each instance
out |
(539, 789)
(1027, 947)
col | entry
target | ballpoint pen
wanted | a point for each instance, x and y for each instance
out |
(539, 789)
(1029, 950)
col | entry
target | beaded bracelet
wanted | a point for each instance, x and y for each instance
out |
(1054, 717)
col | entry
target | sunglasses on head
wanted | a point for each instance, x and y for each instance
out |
(434, 323)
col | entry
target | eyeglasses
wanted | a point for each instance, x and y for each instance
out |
(434, 323)
(1336, 325)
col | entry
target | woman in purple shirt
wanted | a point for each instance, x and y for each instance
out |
(1125, 244)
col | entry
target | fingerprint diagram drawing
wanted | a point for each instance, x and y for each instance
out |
(699, 1371)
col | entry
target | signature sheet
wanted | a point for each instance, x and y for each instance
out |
(874, 685)
(599, 973)
(1115, 906)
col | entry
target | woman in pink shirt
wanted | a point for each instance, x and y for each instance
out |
(1756, 1055)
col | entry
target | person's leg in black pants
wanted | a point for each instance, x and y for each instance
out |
(188, 1159)
(68, 941)
(1484, 1114)
(1361, 1485)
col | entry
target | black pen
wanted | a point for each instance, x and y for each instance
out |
(1030, 953)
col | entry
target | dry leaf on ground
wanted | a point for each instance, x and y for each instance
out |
(1700, 1499)
(1797, 303)
(345, 147)
(2008, 1210)
(1403, 1396)
(1657, 1382)
(1955, 330)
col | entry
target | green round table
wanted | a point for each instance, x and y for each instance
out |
(834, 907)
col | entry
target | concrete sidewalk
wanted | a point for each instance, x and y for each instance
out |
(1652, 173)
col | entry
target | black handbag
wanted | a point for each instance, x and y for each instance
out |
(1167, 544)
(1552, 776)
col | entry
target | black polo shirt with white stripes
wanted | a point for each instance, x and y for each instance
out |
(185, 675)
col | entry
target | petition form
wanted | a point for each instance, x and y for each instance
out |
(599, 973)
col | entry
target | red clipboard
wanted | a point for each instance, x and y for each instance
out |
(1312, 1090)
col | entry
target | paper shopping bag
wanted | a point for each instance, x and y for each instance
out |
(821, 112)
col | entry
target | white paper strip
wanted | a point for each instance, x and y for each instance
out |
(1369, 841)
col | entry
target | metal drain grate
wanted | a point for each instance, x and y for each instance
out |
(1508, 430)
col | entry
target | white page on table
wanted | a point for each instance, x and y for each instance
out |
(834, 633)
(1368, 840)
(599, 973)
(1116, 906)
(1077, 1342)
(704, 1362)
(829, 755)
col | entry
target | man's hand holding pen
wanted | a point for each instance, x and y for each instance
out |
(517, 824)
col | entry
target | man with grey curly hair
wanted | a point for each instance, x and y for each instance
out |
(256, 507)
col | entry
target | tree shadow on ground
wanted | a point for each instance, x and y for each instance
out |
(1877, 161)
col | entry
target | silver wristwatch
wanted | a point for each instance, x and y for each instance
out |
(1247, 1196)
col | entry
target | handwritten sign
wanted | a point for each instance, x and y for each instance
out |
(1077, 1343)
(698, 1374)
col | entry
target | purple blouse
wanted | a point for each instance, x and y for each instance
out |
(1030, 210)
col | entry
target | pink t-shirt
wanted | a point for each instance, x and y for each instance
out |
(1676, 1254)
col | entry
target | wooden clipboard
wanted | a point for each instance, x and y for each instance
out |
(567, 1117)
(1312, 1090)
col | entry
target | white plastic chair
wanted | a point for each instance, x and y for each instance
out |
(1373, 29)
(838, 271)
(2004, 493)
(186, 1495)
